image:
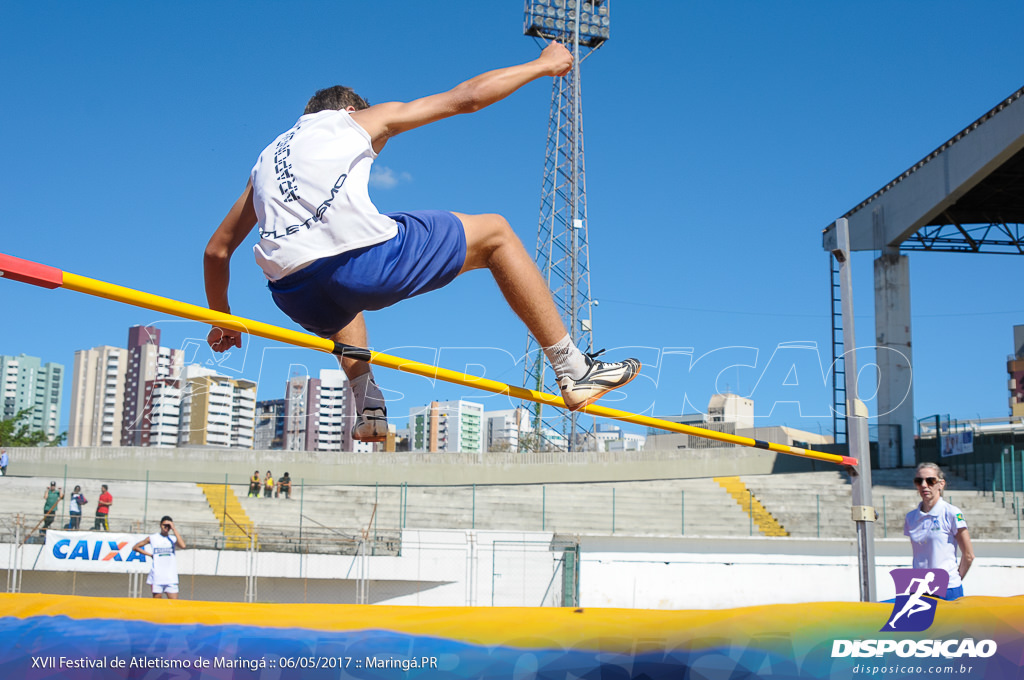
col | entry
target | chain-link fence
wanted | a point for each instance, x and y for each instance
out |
(405, 543)
(275, 564)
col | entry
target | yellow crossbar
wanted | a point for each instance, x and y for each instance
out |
(50, 277)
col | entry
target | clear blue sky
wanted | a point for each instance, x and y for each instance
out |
(721, 139)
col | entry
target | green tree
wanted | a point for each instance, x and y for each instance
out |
(16, 432)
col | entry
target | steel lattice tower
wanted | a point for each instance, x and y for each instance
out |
(563, 253)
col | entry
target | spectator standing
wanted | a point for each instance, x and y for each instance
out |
(268, 485)
(254, 484)
(103, 510)
(51, 497)
(936, 529)
(75, 509)
(163, 570)
(3, 462)
(284, 486)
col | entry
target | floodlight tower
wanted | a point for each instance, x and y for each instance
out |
(563, 253)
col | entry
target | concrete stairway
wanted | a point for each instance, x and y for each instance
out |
(235, 525)
(765, 522)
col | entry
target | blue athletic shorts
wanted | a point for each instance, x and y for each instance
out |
(954, 593)
(427, 253)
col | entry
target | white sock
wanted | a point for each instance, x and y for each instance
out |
(566, 358)
(366, 392)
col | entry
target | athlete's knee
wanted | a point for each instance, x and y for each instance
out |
(501, 224)
(495, 230)
(485, 235)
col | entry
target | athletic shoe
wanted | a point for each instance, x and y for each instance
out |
(371, 425)
(601, 377)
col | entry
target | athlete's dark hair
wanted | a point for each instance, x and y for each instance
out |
(338, 97)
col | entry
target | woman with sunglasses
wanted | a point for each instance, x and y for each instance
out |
(163, 570)
(936, 529)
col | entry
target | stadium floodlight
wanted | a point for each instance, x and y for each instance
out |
(593, 21)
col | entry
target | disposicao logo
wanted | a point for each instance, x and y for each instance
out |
(913, 611)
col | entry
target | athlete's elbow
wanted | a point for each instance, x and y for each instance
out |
(472, 105)
(216, 255)
(468, 98)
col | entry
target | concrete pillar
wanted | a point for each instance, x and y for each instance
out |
(895, 360)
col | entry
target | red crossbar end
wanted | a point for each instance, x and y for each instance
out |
(850, 460)
(42, 275)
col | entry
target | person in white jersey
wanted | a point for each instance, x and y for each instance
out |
(936, 529)
(163, 569)
(329, 255)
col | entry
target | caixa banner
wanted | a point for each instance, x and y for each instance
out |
(98, 551)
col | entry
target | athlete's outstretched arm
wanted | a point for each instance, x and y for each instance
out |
(384, 121)
(217, 265)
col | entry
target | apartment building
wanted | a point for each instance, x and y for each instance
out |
(269, 425)
(505, 428)
(147, 362)
(28, 384)
(97, 396)
(161, 414)
(216, 410)
(447, 426)
(319, 414)
(608, 437)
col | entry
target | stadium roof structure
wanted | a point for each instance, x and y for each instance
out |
(966, 196)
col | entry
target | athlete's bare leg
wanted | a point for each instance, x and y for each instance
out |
(353, 334)
(491, 244)
(371, 423)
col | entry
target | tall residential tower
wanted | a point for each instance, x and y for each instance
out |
(28, 384)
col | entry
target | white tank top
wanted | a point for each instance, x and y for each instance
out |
(310, 192)
(164, 570)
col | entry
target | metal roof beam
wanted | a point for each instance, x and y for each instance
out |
(932, 186)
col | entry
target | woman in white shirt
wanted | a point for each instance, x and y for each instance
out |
(936, 529)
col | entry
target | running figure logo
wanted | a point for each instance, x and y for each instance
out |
(916, 593)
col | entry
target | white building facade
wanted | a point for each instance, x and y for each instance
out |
(147, 361)
(216, 410)
(613, 438)
(28, 384)
(319, 414)
(506, 428)
(447, 426)
(97, 396)
(329, 419)
(161, 417)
